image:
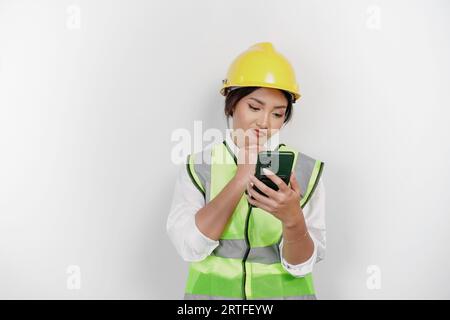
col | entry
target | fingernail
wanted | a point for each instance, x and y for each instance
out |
(267, 171)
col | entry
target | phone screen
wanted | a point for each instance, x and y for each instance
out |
(279, 162)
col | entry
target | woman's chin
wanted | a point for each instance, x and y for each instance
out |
(255, 142)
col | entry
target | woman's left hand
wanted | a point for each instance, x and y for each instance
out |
(284, 204)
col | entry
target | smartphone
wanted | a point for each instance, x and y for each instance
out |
(279, 162)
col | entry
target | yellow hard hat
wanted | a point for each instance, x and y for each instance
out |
(261, 66)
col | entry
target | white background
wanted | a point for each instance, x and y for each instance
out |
(88, 104)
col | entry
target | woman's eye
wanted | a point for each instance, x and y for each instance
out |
(278, 115)
(253, 108)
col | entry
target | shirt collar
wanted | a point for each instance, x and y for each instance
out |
(271, 143)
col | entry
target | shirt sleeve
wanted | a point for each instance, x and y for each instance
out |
(190, 243)
(314, 213)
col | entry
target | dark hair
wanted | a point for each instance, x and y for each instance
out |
(235, 95)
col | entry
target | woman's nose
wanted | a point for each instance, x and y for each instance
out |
(263, 121)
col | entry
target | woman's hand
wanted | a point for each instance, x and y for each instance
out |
(284, 204)
(246, 161)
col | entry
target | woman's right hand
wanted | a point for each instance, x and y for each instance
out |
(213, 218)
(246, 161)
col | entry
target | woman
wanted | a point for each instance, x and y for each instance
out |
(241, 244)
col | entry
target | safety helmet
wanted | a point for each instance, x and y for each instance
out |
(261, 66)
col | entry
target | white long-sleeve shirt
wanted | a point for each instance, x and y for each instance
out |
(193, 245)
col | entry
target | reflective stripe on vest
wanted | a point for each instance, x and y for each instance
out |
(246, 264)
(188, 296)
(236, 248)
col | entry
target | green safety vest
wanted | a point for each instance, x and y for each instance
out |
(246, 263)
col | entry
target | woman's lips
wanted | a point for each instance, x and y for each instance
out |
(260, 133)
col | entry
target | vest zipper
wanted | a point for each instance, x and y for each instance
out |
(247, 241)
(247, 251)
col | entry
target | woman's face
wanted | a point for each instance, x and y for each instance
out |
(258, 116)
